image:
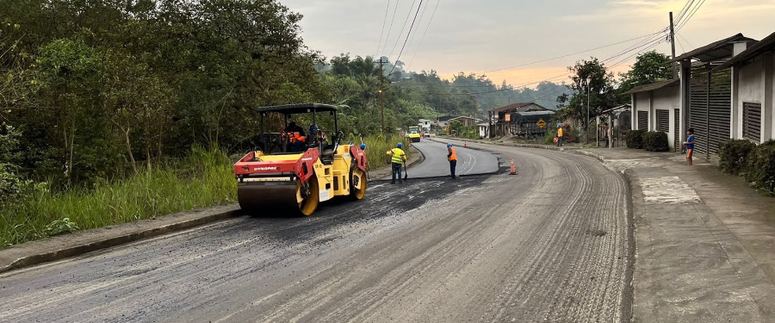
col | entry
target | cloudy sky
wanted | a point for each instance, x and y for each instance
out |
(508, 39)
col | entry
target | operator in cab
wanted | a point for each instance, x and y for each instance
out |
(296, 137)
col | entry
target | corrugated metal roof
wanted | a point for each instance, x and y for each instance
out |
(714, 51)
(767, 44)
(652, 86)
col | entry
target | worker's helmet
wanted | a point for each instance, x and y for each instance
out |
(400, 145)
(559, 125)
(449, 145)
(363, 146)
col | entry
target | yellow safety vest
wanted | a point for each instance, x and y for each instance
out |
(398, 156)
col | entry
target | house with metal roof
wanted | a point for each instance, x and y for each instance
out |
(701, 97)
(502, 116)
(753, 84)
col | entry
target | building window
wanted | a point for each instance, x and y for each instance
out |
(643, 120)
(663, 120)
(752, 121)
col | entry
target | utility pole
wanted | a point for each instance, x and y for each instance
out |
(586, 126)
(672, 46)
(382, 91)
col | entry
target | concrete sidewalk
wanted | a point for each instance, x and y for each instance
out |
(705, 241)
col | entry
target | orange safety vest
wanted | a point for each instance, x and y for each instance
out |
(453, 156)
(294, 137)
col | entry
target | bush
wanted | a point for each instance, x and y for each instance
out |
(733, 155)
(760, 170)
(635, 139)
(655, 141)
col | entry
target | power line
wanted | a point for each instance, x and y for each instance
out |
(382, 33)
(576, 53)
(387, 39)
(679, 44)
(423, 34)
(409, 14)
(687, 42)
(696, 8)
(684, 10)
(409, 33)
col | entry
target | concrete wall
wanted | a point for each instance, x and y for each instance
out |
(669, 99)
(754, 82)
(642, 103)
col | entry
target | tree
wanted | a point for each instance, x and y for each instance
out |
(649, 67)
(589, 76)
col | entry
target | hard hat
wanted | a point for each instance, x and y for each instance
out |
(400, 145)
(363, 146)
(449, 145)
(559, 125)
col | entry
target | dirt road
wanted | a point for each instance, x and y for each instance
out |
(548, 245)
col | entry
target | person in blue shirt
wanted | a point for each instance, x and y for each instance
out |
(689, 143)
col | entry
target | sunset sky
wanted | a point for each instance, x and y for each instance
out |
(502, 38)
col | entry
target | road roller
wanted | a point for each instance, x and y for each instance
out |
(292, 172)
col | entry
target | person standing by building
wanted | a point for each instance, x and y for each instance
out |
(452, 157)
(397, 159)
(559, 135)
(689, 143)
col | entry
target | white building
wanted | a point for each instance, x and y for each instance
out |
(425, 124)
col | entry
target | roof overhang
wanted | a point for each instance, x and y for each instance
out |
(653, 86)
(298, 108)
(764, 46)
(719, 50)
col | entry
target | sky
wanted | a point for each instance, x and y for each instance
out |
(518, 40)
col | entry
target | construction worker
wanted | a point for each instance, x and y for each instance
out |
(398, 157)
(452, 157)
(559, 135)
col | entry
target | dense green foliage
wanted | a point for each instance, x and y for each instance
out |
(655, 141)
(760, 171)
(649, 67)
(204, 178)
(734, 154)
(635, 139)
(592, 91)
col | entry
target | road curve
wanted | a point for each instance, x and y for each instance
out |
(550, 244)
(470, 161)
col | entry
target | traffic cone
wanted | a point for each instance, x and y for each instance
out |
(513, 168)
(465, 144)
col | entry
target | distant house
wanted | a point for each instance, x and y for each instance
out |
(502, 116)
(484, 130)
(467, 121)
(443, 122)
(425, 124)
(656, 106)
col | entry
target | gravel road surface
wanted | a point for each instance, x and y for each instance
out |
(550, 244)
(470, 161)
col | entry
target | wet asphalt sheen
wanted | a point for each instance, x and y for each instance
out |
(550, 244)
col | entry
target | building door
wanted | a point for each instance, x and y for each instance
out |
(709, 112)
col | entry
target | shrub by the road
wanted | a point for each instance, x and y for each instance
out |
(377, 146)
(635, 139)
(202, 179)
(760, 171)
(655, 141)
(734, 154)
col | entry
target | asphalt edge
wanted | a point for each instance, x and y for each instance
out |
(113, 236)
(385, 171)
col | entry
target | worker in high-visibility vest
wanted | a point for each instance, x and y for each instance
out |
(397, 159)
(452, 157)
(560, 135)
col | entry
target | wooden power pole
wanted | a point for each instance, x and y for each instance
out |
(672, 45)
(382, 91)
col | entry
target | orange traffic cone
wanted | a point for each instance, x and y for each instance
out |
(513, 168)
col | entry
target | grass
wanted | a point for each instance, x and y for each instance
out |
(377, 147)
(202, 179)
